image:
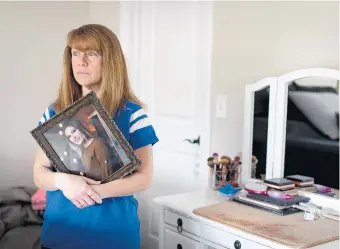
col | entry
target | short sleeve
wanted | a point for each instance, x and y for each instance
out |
(49, 113)
(141, 131)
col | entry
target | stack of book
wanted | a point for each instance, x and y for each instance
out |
(292, 183)
(278, 195)
(271, 204)
(301, 182)
(281, 184)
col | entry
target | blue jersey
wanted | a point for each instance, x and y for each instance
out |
(112, 224)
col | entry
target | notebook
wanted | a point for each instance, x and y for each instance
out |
(300, 178)
(279, 184)
(278, 181)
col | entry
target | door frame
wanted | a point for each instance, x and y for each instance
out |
(136, 34)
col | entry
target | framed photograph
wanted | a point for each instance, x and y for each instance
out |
(84, 140)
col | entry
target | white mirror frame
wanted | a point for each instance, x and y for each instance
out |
(281, 110)
(277, 118)
(250, 90)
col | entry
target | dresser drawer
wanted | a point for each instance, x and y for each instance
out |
(173, 240)
(228, 240)
(181, 223)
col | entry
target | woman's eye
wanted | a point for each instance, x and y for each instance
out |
(75, 53)
(73, 131)
(92, 53)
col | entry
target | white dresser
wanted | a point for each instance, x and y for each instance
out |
(180, 228)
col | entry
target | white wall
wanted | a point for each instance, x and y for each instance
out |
(33, 36)
(253, 40)
(105, 13)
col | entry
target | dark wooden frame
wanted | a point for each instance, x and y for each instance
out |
(91, 98)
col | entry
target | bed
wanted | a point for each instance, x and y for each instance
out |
(308, 150)
(20, 224)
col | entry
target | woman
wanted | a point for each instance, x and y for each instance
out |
(91, 150)
(80, 212)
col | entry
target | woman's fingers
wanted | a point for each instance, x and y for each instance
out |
(88, 200)
(94, 196)
(77, 203)
(82, 202)
(80, 192)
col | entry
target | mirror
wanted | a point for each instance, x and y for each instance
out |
(258, 143)
(309, 116)
(260, 133)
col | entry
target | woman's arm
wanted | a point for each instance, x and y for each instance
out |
(75, 188)
(43, 176)
(140, 180)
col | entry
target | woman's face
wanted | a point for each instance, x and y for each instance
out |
(87, 67)
(74, 135)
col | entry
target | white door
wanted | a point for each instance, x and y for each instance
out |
(168, 49)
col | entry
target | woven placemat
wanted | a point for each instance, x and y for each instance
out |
(290, 230)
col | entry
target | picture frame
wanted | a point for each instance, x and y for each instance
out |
(84, 140)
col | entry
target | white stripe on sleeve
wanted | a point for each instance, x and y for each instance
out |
(137, 114)
(47, 114)
(42, 120)
(144, 122)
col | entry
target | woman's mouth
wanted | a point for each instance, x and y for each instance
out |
(76, 140)
(83, 73)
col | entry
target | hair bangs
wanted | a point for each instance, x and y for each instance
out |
(84, 41)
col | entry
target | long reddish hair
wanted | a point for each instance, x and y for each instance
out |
(115, 85)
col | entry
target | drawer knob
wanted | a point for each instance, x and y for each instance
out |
(237, 244)
(179, 246)
(179, 227)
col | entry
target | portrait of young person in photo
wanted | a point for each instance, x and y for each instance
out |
(92, 151)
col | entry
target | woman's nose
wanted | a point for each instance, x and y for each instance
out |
(82, 60)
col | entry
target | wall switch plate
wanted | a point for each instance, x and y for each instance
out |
(221, 106)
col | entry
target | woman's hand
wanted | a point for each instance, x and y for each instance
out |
(77, 189)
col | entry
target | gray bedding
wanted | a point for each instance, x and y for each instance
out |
(20, 225)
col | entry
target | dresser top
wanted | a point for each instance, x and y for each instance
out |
(185, 203)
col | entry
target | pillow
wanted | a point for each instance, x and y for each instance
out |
(38, 200)
(296, 87)
(319, 108)
(317, 81)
